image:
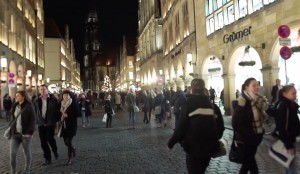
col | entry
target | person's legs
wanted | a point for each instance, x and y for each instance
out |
(196, 166)
(249, 163)
(51, 140)
(26, 143)
(14, 147)
(150, 110)
(44, 143)
(176, 119)
(71, 149)
(83, 118)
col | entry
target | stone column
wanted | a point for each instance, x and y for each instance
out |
(269, 78)
(229, 92)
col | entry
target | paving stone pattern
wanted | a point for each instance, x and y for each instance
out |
(120, 151)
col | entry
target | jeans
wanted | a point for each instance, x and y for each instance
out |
(146, 120)
(293, 167)
(196, 166)
(108, 120)
(84, 118)
(131, 119)
(7, 114)
(249, 163)
(47, 138)
(14, 147)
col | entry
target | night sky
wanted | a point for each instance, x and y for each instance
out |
(116, 17)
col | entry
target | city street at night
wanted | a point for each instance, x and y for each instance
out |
(117, 150)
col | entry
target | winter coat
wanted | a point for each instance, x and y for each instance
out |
(52, 112)
(145, 103)
(71, 121)
(159, 100)
(87, 107)
(107, 106)
(130, 102)
(197, 131)
(287, 111)
(27, 117)
(7, 104)
(177, 101)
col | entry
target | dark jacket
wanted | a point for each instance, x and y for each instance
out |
(177, 100)
(52, 113)
(274, 93)
(107, 106)
(145, 103)
(7, 104)
(287, 111)
(159, 100)
(130, 102)
(219, 120)
(86, 106)
(197, 133)
(27, 116)
(71, 121)
(242, 121)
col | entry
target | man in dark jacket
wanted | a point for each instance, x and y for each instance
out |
(275, 90)
(177, 100)
(47, 111)
(7, 104)
(197, 130)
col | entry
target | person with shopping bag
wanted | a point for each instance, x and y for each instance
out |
(287, 123)
(108, 110)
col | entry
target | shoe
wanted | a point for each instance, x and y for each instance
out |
(74, 151)
(165, 125)
(46, 163)
(56, 156)
(69, 162)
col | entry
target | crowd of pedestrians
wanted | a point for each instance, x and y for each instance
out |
(198, 120)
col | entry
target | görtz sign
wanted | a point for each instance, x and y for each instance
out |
(237, 35)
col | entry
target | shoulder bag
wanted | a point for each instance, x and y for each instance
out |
(278, 150)
(237, 150)
(135, 108)
(7, 133)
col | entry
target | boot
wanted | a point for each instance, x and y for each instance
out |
(74, 152)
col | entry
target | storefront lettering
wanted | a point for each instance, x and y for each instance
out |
(236, 35)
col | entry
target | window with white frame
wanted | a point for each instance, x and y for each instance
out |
(222, 12)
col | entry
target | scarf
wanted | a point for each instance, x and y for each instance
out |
(65, 105)
(258, 104)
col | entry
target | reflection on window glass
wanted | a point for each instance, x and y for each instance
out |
(212, 24)
(220, 20)
(243, 8)
(257, 4)
(230, 15)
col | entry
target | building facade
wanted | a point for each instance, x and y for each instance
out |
(127, 76)
(179, 38)
(150, 46)
(21, 45)
(62, 70)
(239, 39)
(92, 48)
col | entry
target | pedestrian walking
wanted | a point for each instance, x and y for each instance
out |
(247, 123)
(212, 94)
(275, 90)
(22, 131)
(130, 103)
(160, 102)
(7, 104)
(145, 105)
(118, 102)
(287, 122)
(47, 112)
(108, 110)
(177, 101)
(196, 130)
(151, 97)
(84, 110)
(69, 114)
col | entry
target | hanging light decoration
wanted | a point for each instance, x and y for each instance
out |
(246, 55)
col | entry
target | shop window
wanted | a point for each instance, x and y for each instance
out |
(257, 4)
(243, 8)
(230, 14)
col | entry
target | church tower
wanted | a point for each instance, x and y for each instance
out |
(92, 48)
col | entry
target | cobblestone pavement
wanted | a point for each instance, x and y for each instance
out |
(121, 151)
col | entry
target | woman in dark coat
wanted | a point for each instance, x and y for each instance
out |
(108, 110)
(69, 116)
(84, 110)
(159, 100)
(145, 106)
(247, 123)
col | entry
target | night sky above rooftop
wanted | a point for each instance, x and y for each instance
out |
(116, 18)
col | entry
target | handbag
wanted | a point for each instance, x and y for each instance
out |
(237, 151)
(157, 110)
(221, 150)
(279, 152)
(135, 108)
(59, 135)
(104, 118)
(7, 133)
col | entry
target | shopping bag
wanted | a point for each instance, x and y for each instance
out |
(59, 129)
(279, 153)
(157, 110)
(237, 152)
(136, 109)
(104, 118)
